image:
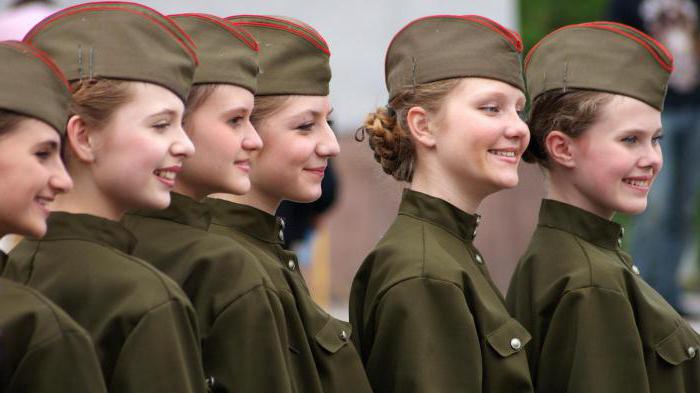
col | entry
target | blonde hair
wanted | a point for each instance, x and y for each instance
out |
(387, 128)
(266, 106)
(197, 96)
(96, 100)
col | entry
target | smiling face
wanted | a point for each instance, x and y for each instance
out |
(31, 175)
(138, 153)
(297, 143)
(616, 160)
(480, 136)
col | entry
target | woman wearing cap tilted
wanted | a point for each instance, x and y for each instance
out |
(597, 93)
(290, 114)
(426, 314)
(240, 319)
(41, 348)
(131, 69)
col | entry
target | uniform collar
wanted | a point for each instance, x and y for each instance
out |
(584, 224)
(183, 210)
(245, 218)
(62, 225)
(440, 213)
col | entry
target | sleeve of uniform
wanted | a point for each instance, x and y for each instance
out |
(64, 364)
(245, 350)
(161, 354)
(592, 345)
(425, 340)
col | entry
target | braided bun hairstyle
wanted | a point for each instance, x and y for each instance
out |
(387, 129)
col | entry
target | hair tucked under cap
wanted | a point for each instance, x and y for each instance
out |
(118, 40)
(32, 85)
(601, 56)
(442, 47)
(294, 58)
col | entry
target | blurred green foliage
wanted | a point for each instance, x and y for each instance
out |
(539, 17)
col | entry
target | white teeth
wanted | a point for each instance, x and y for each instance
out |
(503, 153)
(637, 183)
(165, 174)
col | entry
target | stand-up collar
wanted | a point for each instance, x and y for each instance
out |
(439, 212)
(245, 218)
(183, 210)
(62, 225)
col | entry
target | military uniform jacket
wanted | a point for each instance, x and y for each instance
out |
(321, 356)
(596, 325)
(142, 325)
(42, 350)
(240, 317)
(427, 316)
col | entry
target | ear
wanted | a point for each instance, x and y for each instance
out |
(419, 126)
(560, 148)
(80, 140)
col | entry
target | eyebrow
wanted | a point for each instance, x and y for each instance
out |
(164, 112)
(315, 113)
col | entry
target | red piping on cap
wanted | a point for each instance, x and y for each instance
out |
(309, 30)
(287, 29)
(238, 33)
(51, 19)
(43, 57)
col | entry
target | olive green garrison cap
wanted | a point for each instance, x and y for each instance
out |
(227, 54)
(294, 58)
(32, 85)
(118, 40)
(441, 47)
(603, 56)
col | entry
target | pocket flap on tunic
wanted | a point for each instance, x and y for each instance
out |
(509, 338)
(334, 335)
(681, 345)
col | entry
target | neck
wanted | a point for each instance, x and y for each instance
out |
(254, 198)
(428, 180)
(559, 187)
(87, 198)
(189, 191)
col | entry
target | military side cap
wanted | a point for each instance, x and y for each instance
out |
(602, 56)
(227, 53)
(32, 85)
(442, 47)
(118, 40)
(294, 58)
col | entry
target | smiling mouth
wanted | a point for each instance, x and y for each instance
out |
(165, 174)
(638, 183)
(502, 153)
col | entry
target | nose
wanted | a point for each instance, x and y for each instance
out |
(652, 157)
(328, 145)
(182, 146)
(251, 139)
(59, 180)
(518, 129)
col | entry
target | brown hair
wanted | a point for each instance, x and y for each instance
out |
(569, 111)
(197, 96)
(387, 127)
(96, 100)
(266, 106)
(9, 120)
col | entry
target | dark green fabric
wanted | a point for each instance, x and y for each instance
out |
(127, 42)
(427, 316)
(600, 56)
(32, 85)
(322, 359)
(244, 343)
(596, 325)
(227, 54)
(294, 58)
(452, 46)
(142, 325)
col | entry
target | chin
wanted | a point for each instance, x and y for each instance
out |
(307, 195)
(632, 207)
(36, 228)
(240, 187)
(155, 202)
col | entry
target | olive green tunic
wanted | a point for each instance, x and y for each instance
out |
(322, 359)
(142, 325)
(42, 350)
(240, 317)
(596, 325)
(427, 316)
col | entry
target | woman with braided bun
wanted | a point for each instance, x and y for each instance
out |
(427, 316)
(597, 93)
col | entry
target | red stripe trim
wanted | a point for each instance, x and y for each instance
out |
(46, 22)
(43, 57)
(309, 30)
(290, 30)
(658, 44)
(509, 35)
(238, 33)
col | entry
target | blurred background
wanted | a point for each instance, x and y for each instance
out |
(333, 235)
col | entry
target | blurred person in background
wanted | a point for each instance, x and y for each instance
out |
(21, 15)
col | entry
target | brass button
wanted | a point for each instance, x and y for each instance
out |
(281, 235)
(619, 241)
(282, 223)
(479, 260)
(692, 352)
(478, 219)
(635, 269)
(291, 264)
(344, 335)
(474, 233)
(210, 381)
(516, 344)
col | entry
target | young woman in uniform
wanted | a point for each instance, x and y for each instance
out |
(427, 316)
(290, 114)
(240, 319)
(43, 349)
(130, 68)
(597, 93)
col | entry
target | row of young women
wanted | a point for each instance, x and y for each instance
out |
(160, 267)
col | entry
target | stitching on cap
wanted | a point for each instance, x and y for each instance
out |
(309, 30)
(43, 57)
(290, 30)
(238, 33)
(51, 19)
